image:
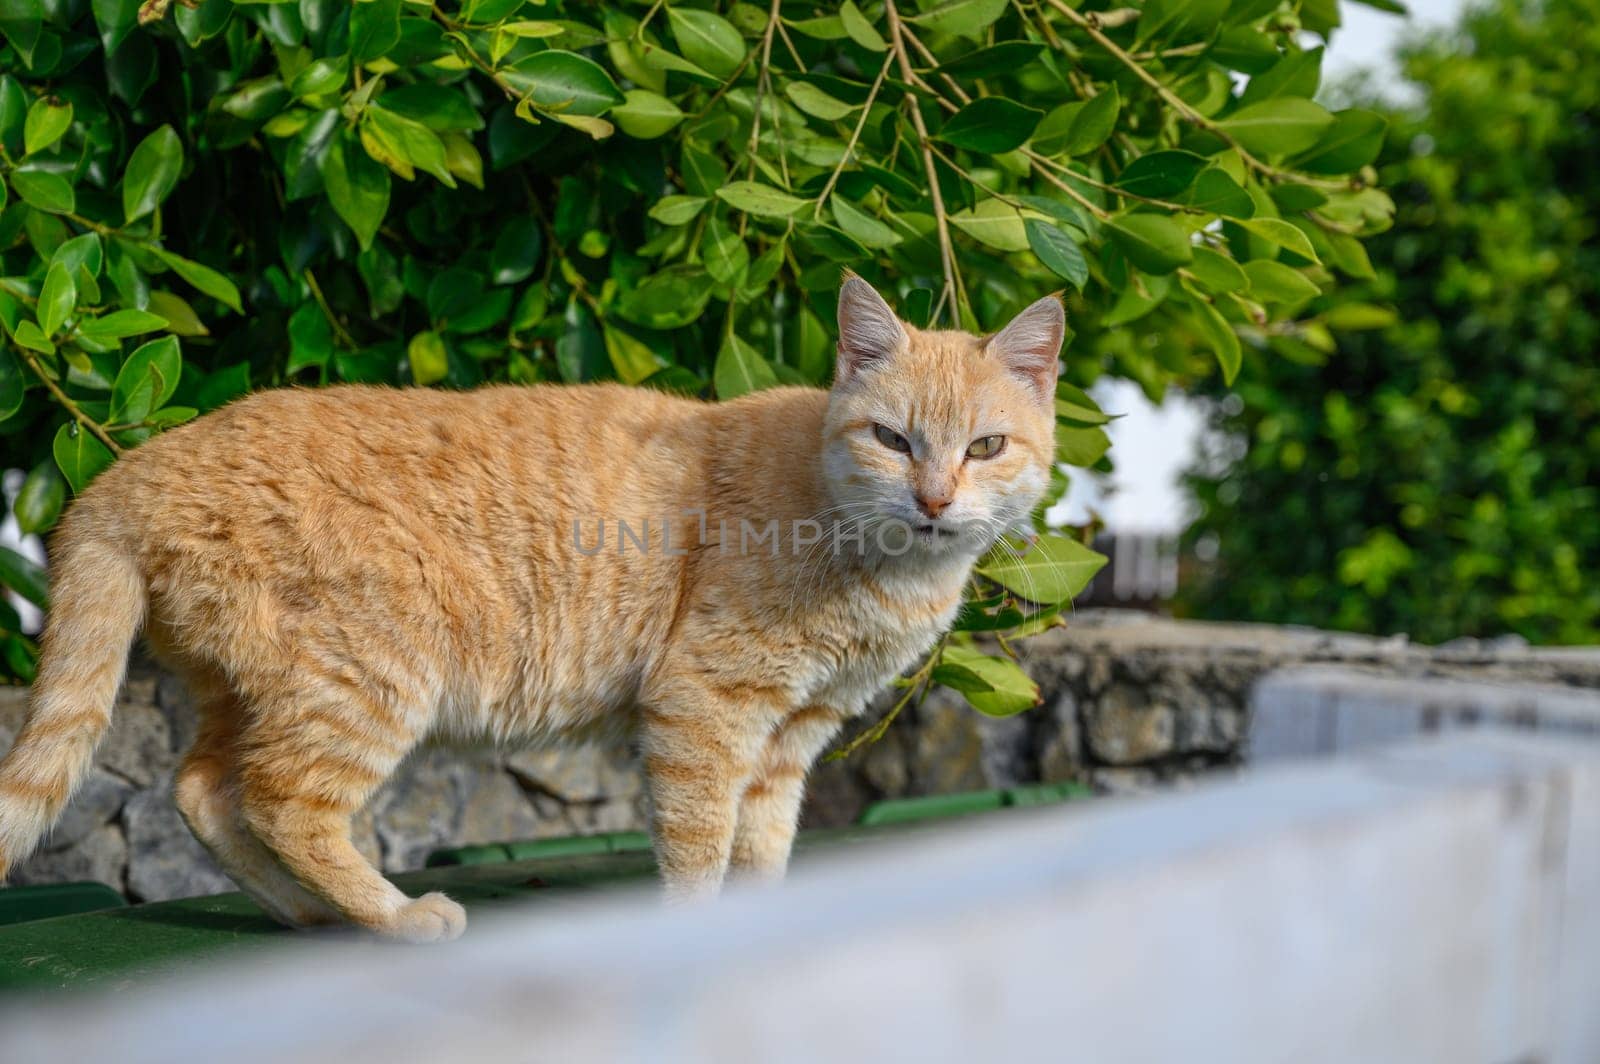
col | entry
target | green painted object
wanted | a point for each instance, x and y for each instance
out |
(566, 846)
(930, 807)
(1047, 793)
(42, 901)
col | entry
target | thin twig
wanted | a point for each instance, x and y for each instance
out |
(941, 219)
(855, 137)
(66, 400)
(327, 311)
(922, 678)
(1090, 25)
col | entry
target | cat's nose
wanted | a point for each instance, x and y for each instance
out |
(933, 505)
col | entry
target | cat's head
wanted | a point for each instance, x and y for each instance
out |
(948, 435)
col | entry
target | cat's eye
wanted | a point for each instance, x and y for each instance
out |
(892, 439)
(986, 447)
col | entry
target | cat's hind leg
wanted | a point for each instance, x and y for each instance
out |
(207, 791)
(310, 760)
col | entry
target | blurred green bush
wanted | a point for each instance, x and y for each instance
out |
(1439, 474)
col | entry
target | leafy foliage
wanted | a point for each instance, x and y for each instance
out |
(1439, 474)
(212, 197)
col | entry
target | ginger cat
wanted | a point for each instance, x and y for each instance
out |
(343, 574)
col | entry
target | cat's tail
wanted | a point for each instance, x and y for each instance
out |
(97, 605)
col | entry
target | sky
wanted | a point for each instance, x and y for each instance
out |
(1152, 445)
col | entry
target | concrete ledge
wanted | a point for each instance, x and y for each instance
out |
(1316, 710)
(1434, 901)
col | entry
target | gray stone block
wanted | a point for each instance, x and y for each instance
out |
(164, 859)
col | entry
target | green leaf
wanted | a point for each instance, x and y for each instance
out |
(677, 210)
(225, 384)
(1052, 569)
(667, 299)
(441, 109)
(40, 499)
(204, 278)
(1217, 273)
(357, 188)
(20, 23)
(401, 144)
(181, 318)
(995, 223)
(707, 39)
(114, 19)
(83, 251)
(516, 251)
(816, 103)
(1351, 317)
(1058, 251)
(1273, 282)
(1177, 20)
(1351, 142)
(429, 361)
(866, 229)
(1161, 174)
(48, 119)
(24, 576)
(1296, 74)
(822, 28)
(44, 191)
(990, 124)
(29, 335)
(646, 115)
(1281, 234)
(860, 29)
(565, 82)
(152, 172)
(1281, 126)
(995, 686)
(726, 257)
(1217, 193)
(146, 381)
(13, 384)
(1219, 336)
(674, 379)
(740, 369)
(580, 351)
(1006, 57)
(119, 324)
(630, 357)
(461, 158)
(56, 299)
(763, 201)
(1153, 242)
(374, 29)
(1074, 406)
(79, 456)
(310, 339)
(1082, 447)
(1092, 125)
(963, 18)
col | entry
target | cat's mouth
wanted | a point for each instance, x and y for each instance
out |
(935, 531)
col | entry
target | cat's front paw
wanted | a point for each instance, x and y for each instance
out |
(430, 918)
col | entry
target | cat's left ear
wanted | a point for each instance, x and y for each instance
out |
(1031, 345)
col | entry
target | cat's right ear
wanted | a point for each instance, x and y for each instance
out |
(869, 332)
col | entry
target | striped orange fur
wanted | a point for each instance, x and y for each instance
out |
(344, 574)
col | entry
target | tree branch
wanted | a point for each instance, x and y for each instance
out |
(65, 400)
(952, 282)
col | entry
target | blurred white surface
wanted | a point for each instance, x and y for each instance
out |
(1431, 902)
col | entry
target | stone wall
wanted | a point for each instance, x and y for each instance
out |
(1128, 701)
